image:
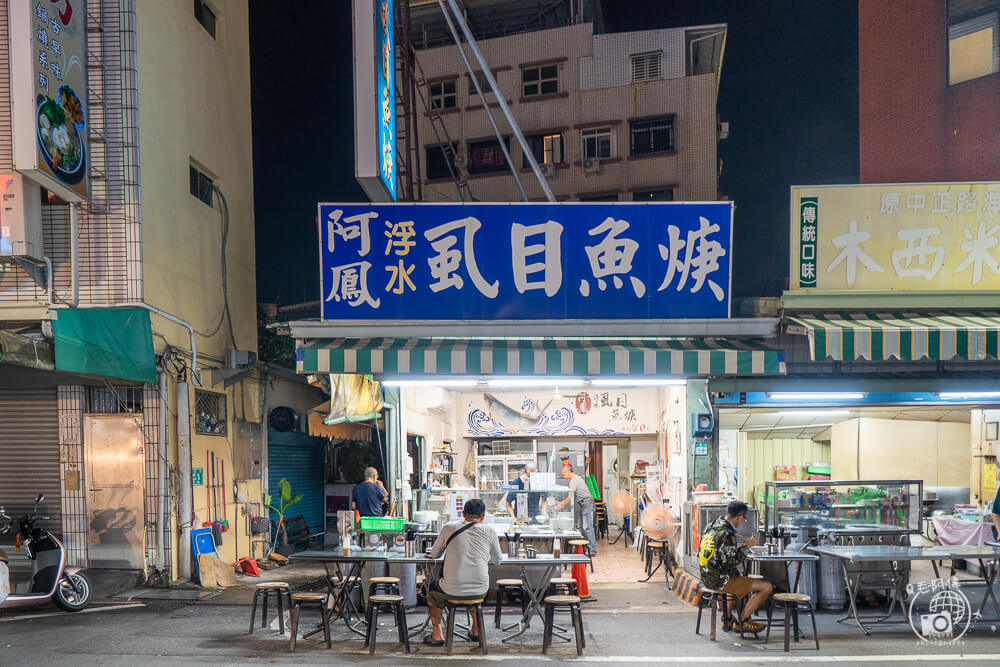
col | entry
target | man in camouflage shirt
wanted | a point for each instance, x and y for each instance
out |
(720, 557)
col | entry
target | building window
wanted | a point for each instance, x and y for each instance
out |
(652, 135)
(542, 80)
(547, 149)
(973, 39)
(443, 95)
(653, 195)
(484, 85)
(439, 158)
(486, 156)
(611, 197)
(646, 66)
(596, 143)
(201, 184)
(209, 412)
(114, 400)
(205, 16)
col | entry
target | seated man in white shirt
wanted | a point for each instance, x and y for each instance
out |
(466, 565)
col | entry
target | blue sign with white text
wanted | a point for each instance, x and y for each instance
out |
(385, 71)
(526, 261)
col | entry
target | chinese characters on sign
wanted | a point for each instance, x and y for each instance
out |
(386, 88)
(49, 93)
(525, 261)
(907, 237)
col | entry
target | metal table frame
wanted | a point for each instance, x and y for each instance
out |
(895, 555)
(343, 606)
(757, 556)
(989, 552)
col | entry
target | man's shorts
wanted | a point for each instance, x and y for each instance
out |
(438, 598)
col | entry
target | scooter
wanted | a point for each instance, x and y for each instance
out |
(51, 578)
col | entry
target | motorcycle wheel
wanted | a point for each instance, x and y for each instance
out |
(68, 599)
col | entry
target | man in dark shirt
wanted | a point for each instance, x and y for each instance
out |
(537, 503)
(369, 496)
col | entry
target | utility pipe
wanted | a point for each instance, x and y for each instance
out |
(500, 98)
(164, 493)
(74, 255)
(185, 511)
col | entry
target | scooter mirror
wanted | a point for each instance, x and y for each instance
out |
(39, 498)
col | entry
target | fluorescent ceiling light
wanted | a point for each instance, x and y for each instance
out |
(807, 413)
(969, 394)
(639, 382)
(537, 382)
(781, 428)
(429, 383)
(807, 396)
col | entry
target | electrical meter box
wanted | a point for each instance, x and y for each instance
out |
(20, 217)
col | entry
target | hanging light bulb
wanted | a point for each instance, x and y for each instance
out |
(556, 395)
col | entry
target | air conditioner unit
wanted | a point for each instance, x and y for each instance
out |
(240, 358)
(20, 217)
(723, 130)
(461, 162)
(591, 165)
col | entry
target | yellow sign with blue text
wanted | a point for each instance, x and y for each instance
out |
(914, 237)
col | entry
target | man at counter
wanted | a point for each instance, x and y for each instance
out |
(369, 496)
(469, 547)
(719, 558)
(537, 502)
(584, 505)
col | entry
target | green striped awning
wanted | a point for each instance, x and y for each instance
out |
(537, 357)
(905, 336)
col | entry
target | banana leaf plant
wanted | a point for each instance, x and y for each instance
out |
(285, 500)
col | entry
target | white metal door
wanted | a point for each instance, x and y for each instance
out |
(115, 502)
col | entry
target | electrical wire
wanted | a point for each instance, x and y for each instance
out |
(225, 275)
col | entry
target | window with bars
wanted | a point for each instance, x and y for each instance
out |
(201, 184)
(973, 39)
(443, 95)
(205, 16)
(486, 156)
(114, 400)
(596, 143)
(652, 135)
(541, 80)
(483, 84)
(646, 66)
(209, 412)
(547, 149)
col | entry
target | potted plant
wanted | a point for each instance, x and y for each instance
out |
(285, 500)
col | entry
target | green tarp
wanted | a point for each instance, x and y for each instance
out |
(108, 342)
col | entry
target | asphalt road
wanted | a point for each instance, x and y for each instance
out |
(634, 624)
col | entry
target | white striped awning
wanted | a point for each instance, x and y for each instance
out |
(905, 336)
(538, 357)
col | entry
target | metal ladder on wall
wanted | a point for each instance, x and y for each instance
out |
(411, 74)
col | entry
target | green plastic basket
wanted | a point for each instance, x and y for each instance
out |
(382, 524)
(592, 486)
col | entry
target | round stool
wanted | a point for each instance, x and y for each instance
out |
(717, 601)
(475, 606)
(570, 603)
(791, 604)
(505, 587)
(583, 545)
(390, 585)
(562, 586)
(377, 603)
(317, 599)
(264, 590)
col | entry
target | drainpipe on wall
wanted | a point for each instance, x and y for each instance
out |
(186, 508)
(164, 492)
(74, 256)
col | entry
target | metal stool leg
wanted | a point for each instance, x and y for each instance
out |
(263, 618)
(482, 628)
(253, 610)
(326, 622)
(281, 615)
(372, 626)
(787, 627)
(577, 617)
(767, 635)
(449, 639)
(547, 632)
(711, 631)
(404, 635)
(812, 615)
(701, 607)
(295, 623)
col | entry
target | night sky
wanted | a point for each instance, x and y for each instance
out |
(788, 90)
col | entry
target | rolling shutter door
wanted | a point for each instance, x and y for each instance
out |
(29, 453)
(300, 459)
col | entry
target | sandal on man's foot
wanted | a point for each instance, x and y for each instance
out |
(430, 641)
(746, 626)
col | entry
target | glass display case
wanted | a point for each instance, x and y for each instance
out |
(433, 507)
(864, 506)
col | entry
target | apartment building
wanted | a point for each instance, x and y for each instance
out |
(609, 117)
(929, 87)
(122, 396)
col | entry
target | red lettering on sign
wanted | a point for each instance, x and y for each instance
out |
(65, 15)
